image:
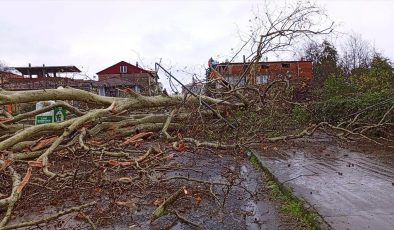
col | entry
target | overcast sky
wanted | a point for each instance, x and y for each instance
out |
(93, 35)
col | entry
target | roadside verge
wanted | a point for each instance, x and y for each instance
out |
(292, 205)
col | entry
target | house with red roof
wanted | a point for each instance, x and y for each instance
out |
(113, 80)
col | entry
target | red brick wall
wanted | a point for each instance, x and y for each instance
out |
(298, 70)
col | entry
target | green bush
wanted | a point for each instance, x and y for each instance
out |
(379, 77)
(299, 114)
(337, 107)
(337, 86)
(342, 97)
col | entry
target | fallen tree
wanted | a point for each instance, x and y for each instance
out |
(106, 132)
(117, 143)
(33, 146)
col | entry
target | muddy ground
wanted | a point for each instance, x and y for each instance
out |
(351, 184)
(224, 191)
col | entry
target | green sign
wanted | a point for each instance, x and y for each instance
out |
(42, 119)
(59, 114)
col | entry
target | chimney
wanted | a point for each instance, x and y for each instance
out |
(29, 70)
(136, 63)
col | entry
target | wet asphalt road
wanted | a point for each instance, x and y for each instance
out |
(351, 187)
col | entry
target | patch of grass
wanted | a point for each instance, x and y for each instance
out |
(255, 162)
(290, 204)
(293, 207)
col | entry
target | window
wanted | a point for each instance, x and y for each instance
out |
(262, 79)
(264, 66)
(123, 69)
(285, 65)
(101, 91)
(137, 89)
(233, 80)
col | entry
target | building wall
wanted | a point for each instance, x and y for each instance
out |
(6, 77)
(296, 71)
(142, 80)
(45, 83)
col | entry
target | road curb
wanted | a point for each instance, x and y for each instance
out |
(320, 222)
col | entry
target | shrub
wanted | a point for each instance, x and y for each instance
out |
(299, 114)
(338, 107)
(337, 86)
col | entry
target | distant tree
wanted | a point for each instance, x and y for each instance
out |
(277, 29)
(379, 77)
(311, 51)
(324, 57)
(357, 55)
(3, 66)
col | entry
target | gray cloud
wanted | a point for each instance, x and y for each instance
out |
(95, 34)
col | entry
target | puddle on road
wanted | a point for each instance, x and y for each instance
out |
(349, 187)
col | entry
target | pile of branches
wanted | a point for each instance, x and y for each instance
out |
(106, 132)
(107, 135)
(103, 136)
